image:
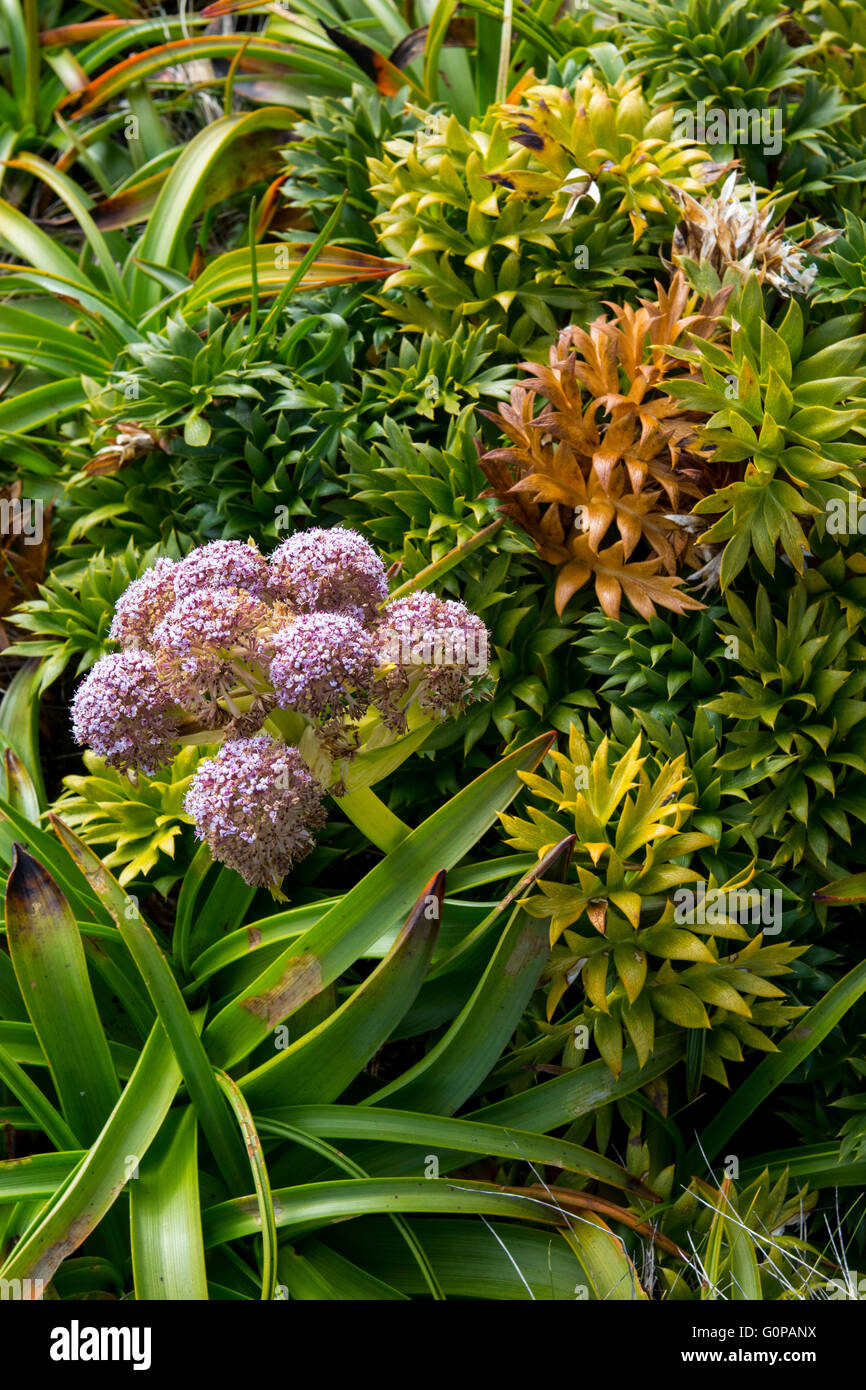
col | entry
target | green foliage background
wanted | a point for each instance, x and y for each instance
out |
(302, 289)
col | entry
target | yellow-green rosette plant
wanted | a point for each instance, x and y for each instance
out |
(499, 223)
(603, 138)
(634, 923)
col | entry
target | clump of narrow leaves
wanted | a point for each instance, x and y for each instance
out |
(69, 621)
(412, 496)
(842, 272)
(474, 251)
(281, 1147)
(659, 664)
(140, 821)
(171, 380)
(743, 1250)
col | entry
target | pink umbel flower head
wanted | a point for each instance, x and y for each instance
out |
(256, 805)
(222, 565)
(143, 605)
(223, 643)
(121, 711)
(437, 642)
(323, 665)
(320, 571)
(197, 641)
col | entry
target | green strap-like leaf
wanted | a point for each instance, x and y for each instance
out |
(321, 1064)
(169, 1004)
(22, 1179)
(438, 1133)
(460, 1061)
(50, 964)
(803, 1038)
(472, 1260)
(362, 915)
(186, 187)
(261, 1183)
(107, 1167)
(165, 1215)
(310, 1206)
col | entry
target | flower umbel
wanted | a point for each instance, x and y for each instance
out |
(323, 665)
(220, 644)
(437, 643)
(121, 711)
(256, 805)
(199, 643)
(221, 565)
(320, 571)
(143, 605)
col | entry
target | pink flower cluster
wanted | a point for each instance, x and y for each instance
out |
(220, 642)
(256, 804)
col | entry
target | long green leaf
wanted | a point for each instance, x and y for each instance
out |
(313, 1205)
(472, 1260)
(451, 1070)
(22, 1179)
(228, 278)
(437, 1132)
(318, 1273)
(105, 1170)
(320, 1065)
(67, 190)
(321, 954)
(19, 719)
(165, 1215)
(261, 1183)
(168, 1001)
(794, 1048)
(186, 187)
(38, 1107)
(50, 964)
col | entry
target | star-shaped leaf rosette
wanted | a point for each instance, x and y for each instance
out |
(300, 667)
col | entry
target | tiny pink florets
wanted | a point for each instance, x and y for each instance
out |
(319, 571)
(322, 663)
(438, 641)
(256, 805)
(143, 605)
(195, 641)
(121, 711)
(222, 565)
(221, 641)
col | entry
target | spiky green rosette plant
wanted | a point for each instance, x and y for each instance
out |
(798, 728)
(659, 665)
(293, 664)
(531, 211)
(645, 933)
(785, 403)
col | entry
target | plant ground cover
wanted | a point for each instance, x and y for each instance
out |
(432, 608)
